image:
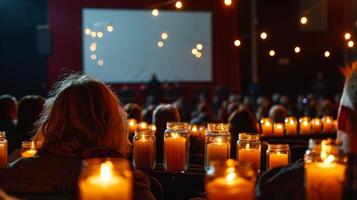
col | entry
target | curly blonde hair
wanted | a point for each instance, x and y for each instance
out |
(84, 109)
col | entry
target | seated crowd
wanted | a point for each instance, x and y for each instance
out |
(83, 119)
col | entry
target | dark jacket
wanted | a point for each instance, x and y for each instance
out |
(56, 175)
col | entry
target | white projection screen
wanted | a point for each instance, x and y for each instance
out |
(128, 46)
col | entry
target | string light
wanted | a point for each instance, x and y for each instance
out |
(297, 49)
(155, 12)
(347, 36)
(178, 4)
(327, 54)
(350, 44)
(198, 55)
(160, 44)
(199, 46)
(228, 2)
(100, 62)
(110, 28)
(93, 34)
(100, 34)
(237, 43)
(164, 35)
(272, 53)
(194, 51)
(87, 31)
(93, 56)
(303, 20)
(263, 35)
(93, 46)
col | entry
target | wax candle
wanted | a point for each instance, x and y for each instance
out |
(327, 124)
(278, 129)
(305, 125)
(144, 153)
(230, 188)
(175, 153)
(277, 155)
(217, 151)
(106, 184)
(3, 148)
(250, 155)
(132, 125)
(316, 125)
(291, 126)
(266, 126)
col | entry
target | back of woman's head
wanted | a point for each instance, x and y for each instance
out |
(28, 111)
(242, 121)
(86, 112)
(7, 107)
(134, 111)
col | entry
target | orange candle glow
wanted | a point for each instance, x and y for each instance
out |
(305, 125)
(278, 129)
(217, 151)
(266, 126)
(249, 155)
(175, 153)
(316, 125)
(132, 124)
(291, 126)
(327, 124)
(144, 153)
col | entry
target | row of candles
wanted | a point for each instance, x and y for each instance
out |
(325, 166)
(292, 126)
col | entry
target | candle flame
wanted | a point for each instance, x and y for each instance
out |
(279, 126)
(131, 123)
(305, 123)
(329, 160)
(152, 127)
(194, 129)
(231, 174)
(219, 140)
(174, 135)
(143, 125)
(328, 120)
(267, 124)
(106, 170)
(292, 122)
(247, 146)
(143, 137)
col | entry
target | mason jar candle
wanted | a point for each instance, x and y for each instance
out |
(176, 147)
(291, 125)
(28, 149)
(144, 154)
(278, 129)
(108, 179)
(327, 124)
(3, 148)
(217, 143)
(249, 150)
(305, 125)
(325, 167)
(316, 125)
(229, 180)
(277, 155)
(266, 126)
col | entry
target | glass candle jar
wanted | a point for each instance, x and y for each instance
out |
(176, 147)
(28, 149)
(217, 143)
(3, 148)
(327, 124)
(142, 126)
(305, 125)
(266, 127)
(132, 125)
(325, 166)
(278, 129)
(105, 179)
(316, 125)
(277, 155)
(249, 150)
(291, 125)
(230, 181)
(144, 155)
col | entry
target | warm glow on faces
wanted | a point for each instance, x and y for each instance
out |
(155, 12)
(303, 20)
(237, 43)
(178, 4)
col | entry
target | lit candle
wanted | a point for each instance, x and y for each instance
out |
(175, 153)
(217, 151)
(278, 159)
(28, 149)
(316, 125)
(324, 177)
(152, 127)
(3, 148)
(194, 130)
(230, 187)
(291, 126)
(29, 153)
(144, 153)
(266, 126)
(327, 124)
(278, 129)
(142, 126)
(249, 155)
(132, 125)
(106, 184)
(305, 125)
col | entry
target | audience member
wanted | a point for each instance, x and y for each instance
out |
(83, 119)
(147, 113)
(163, 114)
(134, 111)
(278, 113)
(204, 116)
(8, 112)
